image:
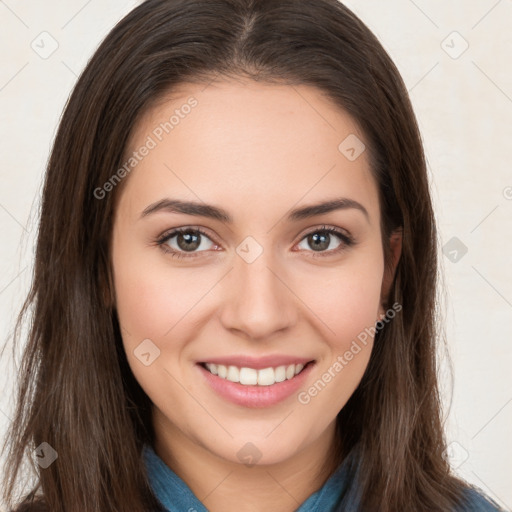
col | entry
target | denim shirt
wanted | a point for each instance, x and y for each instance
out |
(335, 495)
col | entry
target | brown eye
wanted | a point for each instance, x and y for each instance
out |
(187, 240)
(324, 240)
(319, 241)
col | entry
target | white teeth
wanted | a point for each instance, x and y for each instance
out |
(251, 376)
(248, 376)
(266, 377)
(233, 374)
(222, 371)
(212, 368)
(280, 373)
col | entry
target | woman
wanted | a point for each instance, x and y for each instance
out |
(234, 290)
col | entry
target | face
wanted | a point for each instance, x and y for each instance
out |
(254, 281)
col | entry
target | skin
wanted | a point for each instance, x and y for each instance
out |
(256, 150)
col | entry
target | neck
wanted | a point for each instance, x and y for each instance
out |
(219, 483)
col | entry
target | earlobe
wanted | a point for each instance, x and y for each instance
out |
(108, 299)
(107, 289)
(395, 251)
(395, 242)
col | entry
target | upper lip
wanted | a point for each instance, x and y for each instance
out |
(258, 363)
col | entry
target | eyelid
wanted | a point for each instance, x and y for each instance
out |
(327, 227)
(343, 235)
(171, 233)
(346, 239)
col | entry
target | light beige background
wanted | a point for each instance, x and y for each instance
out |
(463, 100)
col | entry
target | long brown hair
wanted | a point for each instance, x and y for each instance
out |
(76, 391)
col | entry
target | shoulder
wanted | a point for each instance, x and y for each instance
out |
(474, 500)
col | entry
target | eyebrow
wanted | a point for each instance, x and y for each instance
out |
(217, 213)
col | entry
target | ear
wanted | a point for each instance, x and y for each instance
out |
(395, 251)
(107, 288)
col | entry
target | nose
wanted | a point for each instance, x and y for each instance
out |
(258, 300)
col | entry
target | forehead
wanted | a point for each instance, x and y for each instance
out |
(242, 143)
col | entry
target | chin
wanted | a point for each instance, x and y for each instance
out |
(256, 450)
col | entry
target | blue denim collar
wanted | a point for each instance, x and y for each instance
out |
(176, 496)
(339, 492)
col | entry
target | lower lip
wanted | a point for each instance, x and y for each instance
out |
(256, 396)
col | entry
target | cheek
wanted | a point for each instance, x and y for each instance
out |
(148, 303)
(150, 298)
(345, 298)
(346, 305)
(354, 305)
(152, 304)
(141, 300)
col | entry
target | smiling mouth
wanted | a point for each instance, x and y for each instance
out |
(255, 377)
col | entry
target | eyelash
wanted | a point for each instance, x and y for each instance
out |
(347, 241)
